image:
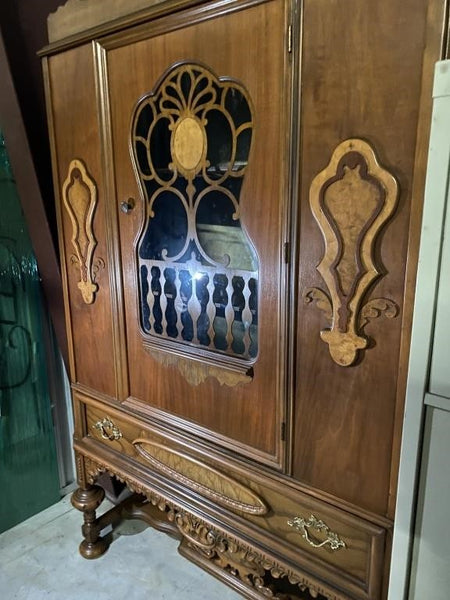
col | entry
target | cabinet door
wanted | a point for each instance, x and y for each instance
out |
(198, 112)
(82, 213)
(358, 180)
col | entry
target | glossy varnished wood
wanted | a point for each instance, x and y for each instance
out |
(73, 114)
(263, 486)
(251, 413)
(358, 564)
(344, 423)
(77, 16)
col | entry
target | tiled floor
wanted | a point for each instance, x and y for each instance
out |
(39, 560)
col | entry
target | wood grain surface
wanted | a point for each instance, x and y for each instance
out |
(76, 136)
(250, 413)
(365, 84)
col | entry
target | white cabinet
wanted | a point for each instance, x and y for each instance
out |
(421, 549)
(430, 573)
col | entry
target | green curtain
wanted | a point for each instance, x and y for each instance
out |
(29, 480)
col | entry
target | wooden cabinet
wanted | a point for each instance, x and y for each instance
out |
(239, 186)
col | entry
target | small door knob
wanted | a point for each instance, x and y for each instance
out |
(127, 205)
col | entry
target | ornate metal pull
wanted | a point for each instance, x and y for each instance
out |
(303, 526)
(127, 205)
(109, 431)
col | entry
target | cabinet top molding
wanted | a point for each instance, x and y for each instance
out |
(76, 16)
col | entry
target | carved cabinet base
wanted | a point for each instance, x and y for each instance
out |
(238, 192)
(240, 565)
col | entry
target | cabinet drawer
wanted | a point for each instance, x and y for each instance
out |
(338, 546)
(331, 543)
(157, 452)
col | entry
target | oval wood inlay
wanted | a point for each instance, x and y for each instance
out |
(202, 478)
(188, 143)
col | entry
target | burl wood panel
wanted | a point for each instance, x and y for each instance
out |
(75, 125)
(362, 69)
(250, 412)
(351, 201)
(80, 200)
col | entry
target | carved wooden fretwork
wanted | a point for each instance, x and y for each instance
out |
(200, 477)
(196, 372)
(197, 269)
(79, 194)
(226, 552)
(351, 200)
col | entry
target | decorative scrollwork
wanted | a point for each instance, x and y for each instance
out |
(304, 525)
(196, 532)
(226, 552)
(321, 299)
(108, 430)
(79, 194)
(377, 307)
(197, 268)
(196, 372)
(351, 200)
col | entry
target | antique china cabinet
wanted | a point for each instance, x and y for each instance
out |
(239, 187)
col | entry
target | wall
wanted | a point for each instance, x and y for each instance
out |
(24, 29)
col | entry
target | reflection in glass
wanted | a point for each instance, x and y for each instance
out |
(191, 139)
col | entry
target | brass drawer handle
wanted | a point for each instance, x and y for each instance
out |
(109, 431)
(303, 526)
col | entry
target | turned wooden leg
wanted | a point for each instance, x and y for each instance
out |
(88, 500)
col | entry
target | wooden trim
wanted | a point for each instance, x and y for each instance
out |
(120, 24)
(192, 441)
(31, 200)
(75, 16)
(295, 21)
(68, 320)
(287, 272)
(445, 43)
(112, 225)
(168, 20)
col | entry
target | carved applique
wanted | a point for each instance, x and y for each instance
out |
(351, 200)
(79, 194)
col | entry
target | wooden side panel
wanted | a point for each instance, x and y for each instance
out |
(248, 412)
(361, 78)
(81, 212)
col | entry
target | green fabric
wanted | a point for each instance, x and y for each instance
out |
(28, 467)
